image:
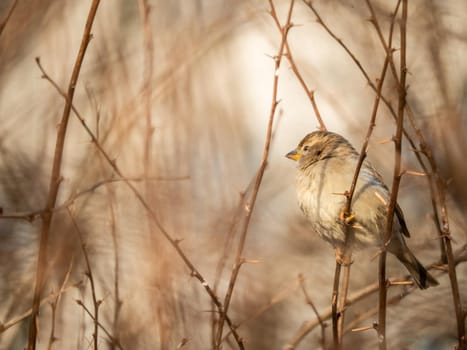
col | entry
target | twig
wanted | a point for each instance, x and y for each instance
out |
(8, 16)
(334, 300)
(310, 93)
(107, 333)
(95, 302)
(55, 179)
(373, 311)
(372, 124)
(315, 310)
(343, 298)
(281, 295)
(147, 82)
(54, 304)
(31, 216)
(52, 296)
(259, 177)
(228, 241)
(381, 329)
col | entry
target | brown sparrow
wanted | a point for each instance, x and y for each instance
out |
(326, 167)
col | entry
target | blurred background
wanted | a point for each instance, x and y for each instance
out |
(179, 97)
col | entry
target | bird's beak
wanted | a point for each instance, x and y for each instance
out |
(294, 155)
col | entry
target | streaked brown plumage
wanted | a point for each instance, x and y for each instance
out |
(326, 167)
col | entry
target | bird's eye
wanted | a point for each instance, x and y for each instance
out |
(306, 148)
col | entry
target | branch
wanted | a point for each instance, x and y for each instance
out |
(259, 177)
(381, 329)
(55, 179)
(8, 16)
(310, 93)
(96, 303)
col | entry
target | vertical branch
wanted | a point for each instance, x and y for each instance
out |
(335, 298)
(8, 16)
(54, 304)
(293, 65)
(363, 154)
(396, 181)
(56, 176)
(318, 317)
(147, 84)
(259, 177)
(95, 302)
(343, 298)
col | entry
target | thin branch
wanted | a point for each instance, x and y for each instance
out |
(334, 300)
(52, 296)
(95, 302)
(372, 124)
(310, 93)
(54, 304)
(381, 329)
(55, 178)
(31, 216)
(107, 333)
(308, 300)
(281, 295)
(343, 298)
(8, 16)
(228, 241)
(259, 177)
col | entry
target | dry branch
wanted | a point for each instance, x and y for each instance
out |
(259, 177)
(55, 178)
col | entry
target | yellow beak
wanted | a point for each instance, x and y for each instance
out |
(294, 155)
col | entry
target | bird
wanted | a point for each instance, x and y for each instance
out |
(326, 164)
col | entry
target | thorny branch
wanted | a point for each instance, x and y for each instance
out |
(259, 177)
(95, 302)
(55, 178)
(438, 199)
(381, 329)
(310, 93)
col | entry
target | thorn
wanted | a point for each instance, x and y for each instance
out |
(362, 329)
(400, 283)
(380, 197)
(178, 240)
(412, 172)
(382, 142)
(252, 261)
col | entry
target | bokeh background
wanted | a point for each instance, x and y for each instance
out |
(196, 86)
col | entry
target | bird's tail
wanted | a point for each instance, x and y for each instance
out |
(420, 275)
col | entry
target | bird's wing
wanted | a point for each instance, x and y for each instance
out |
(402, 222)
